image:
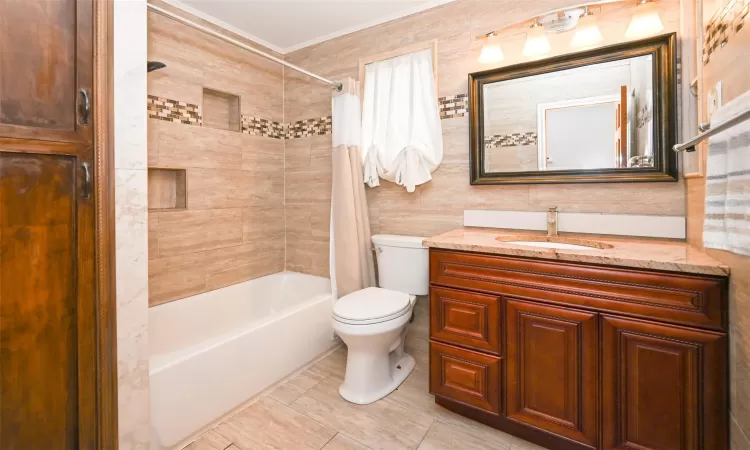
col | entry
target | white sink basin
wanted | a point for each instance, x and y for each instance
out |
(552, 245)
(554, 242)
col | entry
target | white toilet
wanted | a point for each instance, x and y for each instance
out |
(373, 322)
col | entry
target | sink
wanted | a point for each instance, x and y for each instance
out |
(560, 243)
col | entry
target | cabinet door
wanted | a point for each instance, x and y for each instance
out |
(551, 376)
(46, 62)
(466, 319)
(48, 317)
(465, 376)
(663, 387)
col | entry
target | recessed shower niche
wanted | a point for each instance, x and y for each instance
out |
(167, 189)
(221, 110)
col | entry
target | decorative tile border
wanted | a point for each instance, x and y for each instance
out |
(173, 111)
(263, 127)
(161, 108)
(727, 22)
(510, 140)
(453, 106)
(309, 127)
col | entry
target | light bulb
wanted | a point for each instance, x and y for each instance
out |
(537, 43)
(491, 51)
(646, 21)
(587, 33)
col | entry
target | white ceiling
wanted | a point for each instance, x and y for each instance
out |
(288, 25)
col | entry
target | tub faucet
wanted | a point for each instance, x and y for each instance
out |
(552, 221)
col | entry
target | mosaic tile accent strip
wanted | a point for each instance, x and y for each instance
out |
(309, 127)
(726, 23)
(510, 140)
(263, 127)
(453, 106)
(173, 111)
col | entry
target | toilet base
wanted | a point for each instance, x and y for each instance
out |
(400, 370)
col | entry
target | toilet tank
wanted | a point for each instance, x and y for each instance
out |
(403, 263)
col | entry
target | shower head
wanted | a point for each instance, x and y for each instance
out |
(154, 65)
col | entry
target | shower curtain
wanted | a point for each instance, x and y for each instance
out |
(352, 266)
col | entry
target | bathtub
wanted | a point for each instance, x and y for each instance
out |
(214, 351)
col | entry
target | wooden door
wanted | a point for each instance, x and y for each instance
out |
(551, 369)
(663, 387)
(48, 347)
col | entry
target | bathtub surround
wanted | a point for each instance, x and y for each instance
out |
(233, 228)
(438, 206)
(728, 63)
(131, 223)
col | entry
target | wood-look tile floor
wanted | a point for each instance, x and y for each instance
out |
(307, 412)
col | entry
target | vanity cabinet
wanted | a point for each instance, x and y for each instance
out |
(580, 356)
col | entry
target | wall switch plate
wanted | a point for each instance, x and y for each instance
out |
(714, 100)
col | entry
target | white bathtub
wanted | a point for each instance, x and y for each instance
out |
(212, 352)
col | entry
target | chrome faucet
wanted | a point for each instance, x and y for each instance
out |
(552, 221)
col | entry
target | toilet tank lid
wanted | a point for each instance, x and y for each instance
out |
(394, 240)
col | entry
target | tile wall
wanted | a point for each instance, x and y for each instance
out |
(728, 63)
(233, 228)
(438, 205)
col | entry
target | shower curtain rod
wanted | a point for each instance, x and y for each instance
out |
(184, 21)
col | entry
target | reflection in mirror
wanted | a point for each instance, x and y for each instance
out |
(591, 117)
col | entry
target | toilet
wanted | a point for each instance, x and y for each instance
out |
(373, 322)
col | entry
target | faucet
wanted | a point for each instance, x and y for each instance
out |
(552, 221)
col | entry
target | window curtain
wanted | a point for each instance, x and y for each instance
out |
(401, 134)
(352, 266)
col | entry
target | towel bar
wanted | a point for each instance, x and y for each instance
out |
(689, 146)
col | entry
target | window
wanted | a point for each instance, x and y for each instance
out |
(402, 140)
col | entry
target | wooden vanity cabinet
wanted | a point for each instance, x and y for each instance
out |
(579, 356)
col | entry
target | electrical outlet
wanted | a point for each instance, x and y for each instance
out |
(714, 99)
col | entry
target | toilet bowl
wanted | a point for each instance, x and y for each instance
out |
(373, 322)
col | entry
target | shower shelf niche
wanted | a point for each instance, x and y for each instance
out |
(167, 189)
(221, 110)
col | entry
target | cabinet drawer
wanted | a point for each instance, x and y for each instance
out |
(465, 376)
(466, 319)
(697, 300)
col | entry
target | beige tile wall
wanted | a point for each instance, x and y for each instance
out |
(233, 229)
(438, 206)
(729, 65)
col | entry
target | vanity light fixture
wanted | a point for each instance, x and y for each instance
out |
(491, 50)
(646, 21)
(537, 44)
(587, 32)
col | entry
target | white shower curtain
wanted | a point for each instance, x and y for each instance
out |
(401, 134)
(352, 266)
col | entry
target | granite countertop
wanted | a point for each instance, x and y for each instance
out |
(616, 251)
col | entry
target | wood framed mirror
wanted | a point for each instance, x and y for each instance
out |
(599, 116)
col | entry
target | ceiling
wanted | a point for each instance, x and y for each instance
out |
(288, 25)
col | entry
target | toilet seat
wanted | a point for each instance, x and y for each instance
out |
(371, 305)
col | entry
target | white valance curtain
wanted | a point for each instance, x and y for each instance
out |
(402, 140)
(352, 265)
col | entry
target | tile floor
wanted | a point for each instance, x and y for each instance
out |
(306, 412)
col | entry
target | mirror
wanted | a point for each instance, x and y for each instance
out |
(603, 115)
